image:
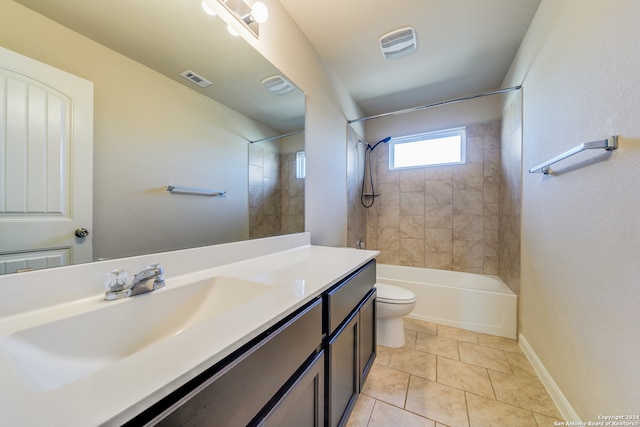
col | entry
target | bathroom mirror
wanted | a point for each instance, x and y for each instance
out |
(149, 132)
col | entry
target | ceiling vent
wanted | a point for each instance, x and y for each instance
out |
(277, 85)
(398, 43)
(195, 78)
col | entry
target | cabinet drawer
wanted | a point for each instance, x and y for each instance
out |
(345, 297)
(236, 394)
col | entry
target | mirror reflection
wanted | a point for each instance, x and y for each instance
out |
(153, 128)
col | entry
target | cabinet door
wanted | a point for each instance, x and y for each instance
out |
(302, 404)
(343, 372)
(235, 395)
(367, 336)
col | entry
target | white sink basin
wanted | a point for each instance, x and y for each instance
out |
(60, 352)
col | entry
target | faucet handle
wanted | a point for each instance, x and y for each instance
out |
(158, 283)
(116, 285)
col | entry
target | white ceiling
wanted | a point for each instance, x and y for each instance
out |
(464, 46)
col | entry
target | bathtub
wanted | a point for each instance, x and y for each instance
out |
(476, 302)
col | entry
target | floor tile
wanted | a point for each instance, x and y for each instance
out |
(361, 411)
(386, 384)
(499, 343)
(520, 364)
(414, 362)
(523, 391)
(410, 338)
(465, 377)
(383, 354)
(449, 377)
(544, 421)
(438, 402)
(420, 326)
(485, 412)
(484, 356)
(385, 415)
(457, 334)
(440, 346)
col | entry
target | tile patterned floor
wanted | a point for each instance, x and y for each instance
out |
(445, 376)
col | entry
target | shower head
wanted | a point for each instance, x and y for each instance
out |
(382, 141)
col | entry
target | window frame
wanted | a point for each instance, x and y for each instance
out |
(428, 136)
(301, 165)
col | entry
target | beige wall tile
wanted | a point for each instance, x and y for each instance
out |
(438, 192)
(412, 252)
(439, 260)
(468, 227)
(412, 203)
(468, 253)
(438, 240)
(464, 199)
(438, 216)
(412, 180)
(412, 227)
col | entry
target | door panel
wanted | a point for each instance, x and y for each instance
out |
(46, 163)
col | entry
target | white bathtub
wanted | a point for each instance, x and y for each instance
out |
(476, 302)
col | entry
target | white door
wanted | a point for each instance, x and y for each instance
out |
(46, 165)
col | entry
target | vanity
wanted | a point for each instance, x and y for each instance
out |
(271, 332)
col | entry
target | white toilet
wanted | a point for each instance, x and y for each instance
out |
(393, 302)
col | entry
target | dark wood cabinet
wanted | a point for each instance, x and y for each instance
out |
(367, 336)
(351, 346)
(303, 402)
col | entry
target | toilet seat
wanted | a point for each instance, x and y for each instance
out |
(390, 294)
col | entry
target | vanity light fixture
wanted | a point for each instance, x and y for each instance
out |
(208, 10)
(232, 31)
(250, 17)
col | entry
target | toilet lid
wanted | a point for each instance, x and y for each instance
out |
(394, 294)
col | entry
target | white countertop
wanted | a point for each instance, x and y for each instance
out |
(124, 388)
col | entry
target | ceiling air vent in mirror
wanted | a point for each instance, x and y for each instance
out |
(195, 78)
(277, 85)
(398, 43)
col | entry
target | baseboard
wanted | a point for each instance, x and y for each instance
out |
(567, 412)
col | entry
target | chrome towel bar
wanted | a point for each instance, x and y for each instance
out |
(608, 144)
(195, 191)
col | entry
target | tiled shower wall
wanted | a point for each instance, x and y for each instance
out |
(356, 215)
(510, 191)
(276, 196)
(444, 217)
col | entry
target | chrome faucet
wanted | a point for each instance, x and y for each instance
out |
(149, 279)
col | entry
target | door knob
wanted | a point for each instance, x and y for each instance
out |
(81, 232)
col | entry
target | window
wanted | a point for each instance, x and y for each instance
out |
(447, 147)
(300, 165)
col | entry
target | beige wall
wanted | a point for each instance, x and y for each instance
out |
(580, 290)
(138, 112)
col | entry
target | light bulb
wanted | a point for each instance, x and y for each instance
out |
(260, 12)
(208, 9)
(232, 31)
